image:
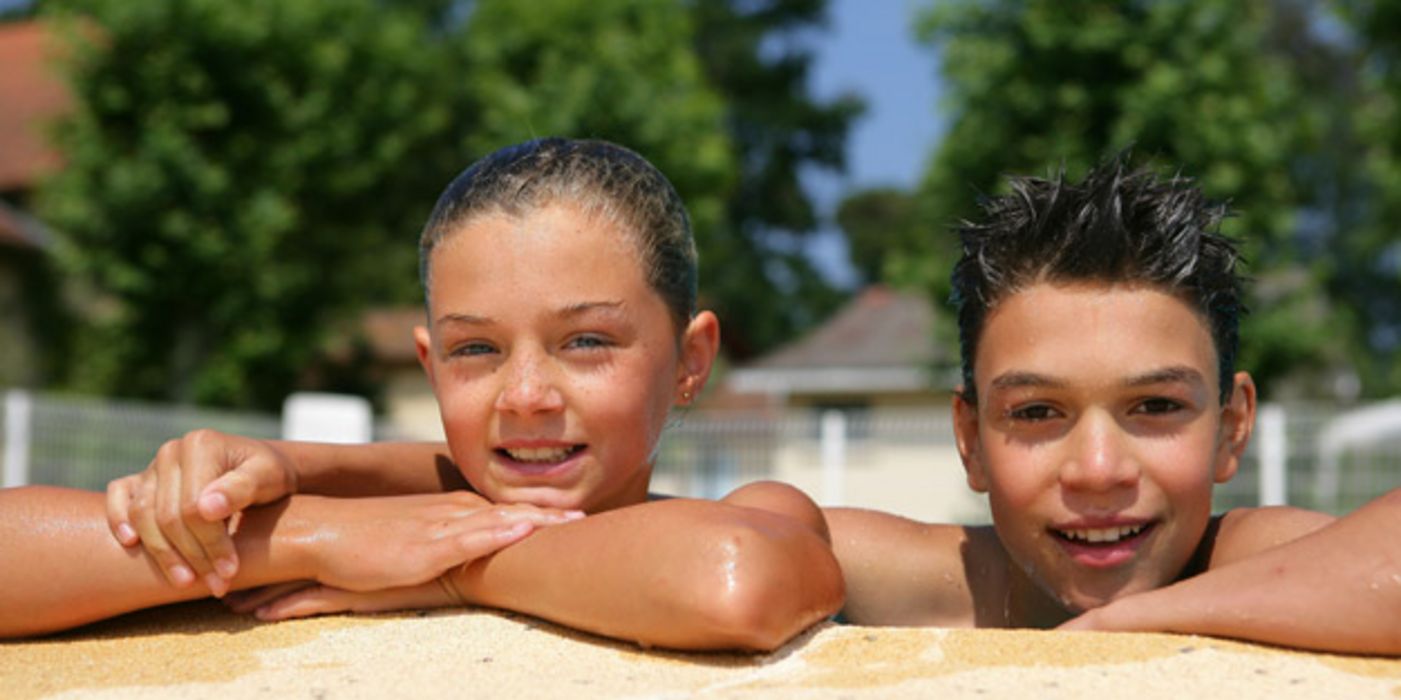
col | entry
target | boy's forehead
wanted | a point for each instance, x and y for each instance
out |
(1101, 330)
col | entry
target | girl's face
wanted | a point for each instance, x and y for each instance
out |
(553, 361)
(1098, 436)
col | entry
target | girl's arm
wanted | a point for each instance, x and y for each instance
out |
(59, 567)
(178, 508)
(749, 572)
(1336, 588)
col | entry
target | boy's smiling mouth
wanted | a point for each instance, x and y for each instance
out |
(1100, 535)
(540, 455)
(1102, 545)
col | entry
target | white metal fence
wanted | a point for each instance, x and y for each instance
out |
(1314, 456)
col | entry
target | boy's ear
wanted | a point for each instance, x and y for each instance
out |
(423, 346)
(965, 433)
(699, 345)
(1237, 422)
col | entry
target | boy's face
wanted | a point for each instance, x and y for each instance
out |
(1099, 434)
(553, 361)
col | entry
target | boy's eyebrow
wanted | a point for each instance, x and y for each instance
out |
(1016, 380)
(1167, 375)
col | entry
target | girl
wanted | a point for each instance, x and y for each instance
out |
(560, 280)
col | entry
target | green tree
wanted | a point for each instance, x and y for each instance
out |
(687, 86)
(877, 222)
(755, 274)
(1201, 86)
(239, 176)
(1367, 242)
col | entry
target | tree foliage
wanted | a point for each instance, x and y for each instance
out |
(243, 177)
(237, 177)
(1205, 87)
(754, 272)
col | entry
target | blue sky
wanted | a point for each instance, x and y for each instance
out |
(869, 49)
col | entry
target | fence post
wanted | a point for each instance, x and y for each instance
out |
(1274, 456)
(19, 406)
(833, 457)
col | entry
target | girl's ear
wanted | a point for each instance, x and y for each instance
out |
(423, 345)
(965, 433)
(699, 346)
(1237, 422)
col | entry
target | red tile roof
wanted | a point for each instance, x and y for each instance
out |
(881, 327)
(31, 93)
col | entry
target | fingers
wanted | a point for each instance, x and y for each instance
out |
(246, 601)
(119, 497)
(213, 557)
(319, 600)
(171, 518)
(143, 519)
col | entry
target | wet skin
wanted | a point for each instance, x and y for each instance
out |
(1098, 435)
(546, 353)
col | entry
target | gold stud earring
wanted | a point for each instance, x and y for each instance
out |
(685, 396)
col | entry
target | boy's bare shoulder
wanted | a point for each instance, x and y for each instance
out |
(905, 572)
(1244, 532)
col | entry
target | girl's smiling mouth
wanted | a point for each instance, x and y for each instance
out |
(539, 459)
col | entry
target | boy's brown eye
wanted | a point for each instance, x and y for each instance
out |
(1159, 405)
(1034, 412)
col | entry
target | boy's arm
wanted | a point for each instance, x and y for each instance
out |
(677, 573)
(59, 567)
(179, 506)
(903, 572)
(1336, 588)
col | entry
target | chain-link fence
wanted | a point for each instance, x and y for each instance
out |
(1321, 457)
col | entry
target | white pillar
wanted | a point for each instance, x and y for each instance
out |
(316, 417)
(19, 407)
(833, 457)
(1274, 456)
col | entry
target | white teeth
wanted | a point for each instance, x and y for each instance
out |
(539, 454)
(1105, 534)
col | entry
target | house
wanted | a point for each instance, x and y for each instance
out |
(32, 95)
(874, 382)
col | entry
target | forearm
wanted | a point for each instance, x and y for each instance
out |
(375, 469)
(1336, 589)
(60, 566)
(680, 573)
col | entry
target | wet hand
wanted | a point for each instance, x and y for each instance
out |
(379, 543)
(179, 509)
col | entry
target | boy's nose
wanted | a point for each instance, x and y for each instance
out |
(1098, 460)
(529, 386)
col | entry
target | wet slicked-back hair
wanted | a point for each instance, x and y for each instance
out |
(601, 179)
(1117, 226)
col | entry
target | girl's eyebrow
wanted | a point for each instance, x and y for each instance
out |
(468, 319)
(585, 307)
(568, 311)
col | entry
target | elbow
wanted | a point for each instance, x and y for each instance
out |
(771, 586)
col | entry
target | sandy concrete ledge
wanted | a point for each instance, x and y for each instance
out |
(199, 650)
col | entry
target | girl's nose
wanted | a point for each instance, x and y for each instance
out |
(1098, 459)
(530, 386)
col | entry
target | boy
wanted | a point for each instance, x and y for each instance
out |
(1098, 326)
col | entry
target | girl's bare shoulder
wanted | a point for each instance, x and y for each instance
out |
(901, 571)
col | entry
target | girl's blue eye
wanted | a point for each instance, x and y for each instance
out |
(474, 348)
(588, 342)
